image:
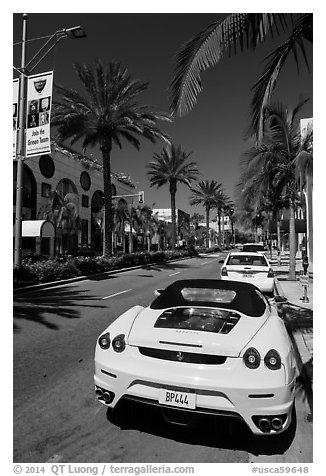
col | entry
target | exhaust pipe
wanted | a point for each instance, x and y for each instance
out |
(99, 392)
(277, 423)
(264, 424)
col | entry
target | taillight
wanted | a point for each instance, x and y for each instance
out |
(104, 341)
(224, 272)
(251, 358)
(119, 343)
(272, 360)
(270, 273)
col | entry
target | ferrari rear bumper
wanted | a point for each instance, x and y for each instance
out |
(230, 389)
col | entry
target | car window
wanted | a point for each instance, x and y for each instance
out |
(198, 319)
(208, 294)
(212, 293)
(247, 260)
(253, 248)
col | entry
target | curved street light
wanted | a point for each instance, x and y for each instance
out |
(75, 32)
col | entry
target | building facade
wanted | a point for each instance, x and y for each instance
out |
(67, 189)
(182, 222)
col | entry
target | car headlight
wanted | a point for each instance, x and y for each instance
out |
(252, 358)
(272, 360)
(119, 343)
(104, 341)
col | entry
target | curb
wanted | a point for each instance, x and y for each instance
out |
(89, 276)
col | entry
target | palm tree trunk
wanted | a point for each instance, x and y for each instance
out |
(207, 227)
(309, 218)
(173, 214)
(292, 242)
(219, 227)
(278, 229)
(123, 237)
(223, 235)
(108, 225)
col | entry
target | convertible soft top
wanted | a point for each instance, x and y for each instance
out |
(242, 297)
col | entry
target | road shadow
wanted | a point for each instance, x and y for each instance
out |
(300, 319)
(304, 385)
(204, 430)
(59, 302)
(165, 266)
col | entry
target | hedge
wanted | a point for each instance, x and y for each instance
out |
(34, 272)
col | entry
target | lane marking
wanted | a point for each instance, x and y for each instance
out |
(207, 262)
(173, 274)
(117, 294)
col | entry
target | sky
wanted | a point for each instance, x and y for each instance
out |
(146, 43)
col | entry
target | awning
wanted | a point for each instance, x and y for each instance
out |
(300, 226)
(38, 228)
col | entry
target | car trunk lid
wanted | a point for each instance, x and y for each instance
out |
(223, 332)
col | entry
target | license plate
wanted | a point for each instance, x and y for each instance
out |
(177, 399)
(247, 275)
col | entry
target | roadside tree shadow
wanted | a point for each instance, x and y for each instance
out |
(58, 302)
(204, 430)
(165, 266)
(304, 384)
(300, 319)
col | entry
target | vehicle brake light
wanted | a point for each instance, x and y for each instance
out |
(104, 341)
(270, 273)
(119, 343)
(252, 358)
(272, 360)
(224, 272)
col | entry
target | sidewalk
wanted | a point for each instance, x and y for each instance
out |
(298, 316)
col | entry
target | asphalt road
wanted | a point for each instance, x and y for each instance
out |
(56, 415)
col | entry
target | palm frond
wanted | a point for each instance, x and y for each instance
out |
(207, 47)
(263, 88)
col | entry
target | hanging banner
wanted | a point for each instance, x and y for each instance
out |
(39, 99)
(15, 102)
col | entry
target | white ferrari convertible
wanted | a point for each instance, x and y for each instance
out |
(202, 346)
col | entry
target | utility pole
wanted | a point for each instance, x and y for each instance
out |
(20, 149)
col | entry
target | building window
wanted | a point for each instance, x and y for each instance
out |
(85, 181)
(46, 166)
(85, 201)
(66, 186)
(46, 190)
(84, 232)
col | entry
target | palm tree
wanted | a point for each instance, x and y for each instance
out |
(278, 154)
(106, 113)
(121, 216)
(148, 224)
(63, 211)
(304, 171)
(238, 30)
(206, 193)
(171, 166)
(258, 190)
(222, 203)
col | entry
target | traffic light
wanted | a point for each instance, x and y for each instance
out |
(140, 197)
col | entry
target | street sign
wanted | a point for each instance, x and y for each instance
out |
(39, 99)
(304, 280)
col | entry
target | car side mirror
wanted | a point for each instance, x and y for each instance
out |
(158, 292)
(280, 299)
(221, 261)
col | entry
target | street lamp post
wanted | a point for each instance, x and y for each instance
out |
(25, 69)
(20, 150)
